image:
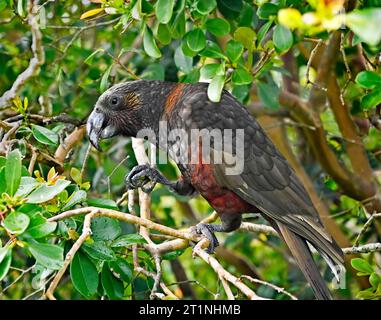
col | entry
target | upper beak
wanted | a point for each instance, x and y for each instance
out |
(94, 127)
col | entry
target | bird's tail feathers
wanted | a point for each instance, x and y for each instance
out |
(303, 256)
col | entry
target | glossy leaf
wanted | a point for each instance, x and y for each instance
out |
(206, 6)
(16, 222)
(366, 24)
(128, 239)
(78, 196)
(149, 44)
(196, 39)
(183, 62)
(48, 255)
(234, 50)
(218, 27)
(241, 76)
(368, 79)
(5, 263)
(13, 171)
(39, 227)
(215, 88)
(112, 286)
(45, 135)
(84, 275)
(45, 192)
(164, 10)
(371, 100)
(104, 228)
(246, 36)
(282, 38)
(122, 269)
(362, 265)
(104, 81)
(99, 250)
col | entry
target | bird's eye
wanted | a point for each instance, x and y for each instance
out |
(114, 101)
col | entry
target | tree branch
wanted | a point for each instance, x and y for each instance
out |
(35, 62)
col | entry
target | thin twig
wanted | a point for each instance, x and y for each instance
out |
(273, 286)
(86, 232)
(35, 62)
(365, 228)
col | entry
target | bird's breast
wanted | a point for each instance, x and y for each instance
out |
(223, 200)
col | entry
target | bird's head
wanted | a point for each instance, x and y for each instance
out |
(123, 109)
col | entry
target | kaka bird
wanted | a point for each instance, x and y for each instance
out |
(266, 183)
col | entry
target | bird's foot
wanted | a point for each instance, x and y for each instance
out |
(140, 176)
(207, 230)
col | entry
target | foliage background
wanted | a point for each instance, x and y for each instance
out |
(308, 70)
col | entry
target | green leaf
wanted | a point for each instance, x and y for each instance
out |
(182, 62)
(4, 251)
(263, 31)
(218, 27)
(163, 34)
(246, 36)
(366, 24)
(3, 183)
(75, 174)
(102, 203)
(128, 239)
(282, 38)
(210, 70)
(122, 269)
(268, 94)
(164, 10)
(5, 263)
(368, 79)
(48, 255)
(45, 135)
(90, 58)
(267, 10)
(196, 39)
(215, 88)
(230, 8)
(375, 280)
(212, 50)
(206, 6)
(104, 81)
(172, 255)
(27, 185)
(241, 76)
(3, 5)
(149, 44)
(45, 192)
(186, 50)
(234, 50)
(39, 227)
(371, 100)
(16, 222)
(13, 171)
(78, 196)
(84, 275)
(99, 250)
(105, 228)
(178, 25)
(112, 286)
(362, 265)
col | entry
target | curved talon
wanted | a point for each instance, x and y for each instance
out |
(208, 231)
(139, 176)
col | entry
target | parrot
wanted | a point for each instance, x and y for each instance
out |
(262, 182)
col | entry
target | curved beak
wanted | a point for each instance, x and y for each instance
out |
(98, 128)
(94, 127)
